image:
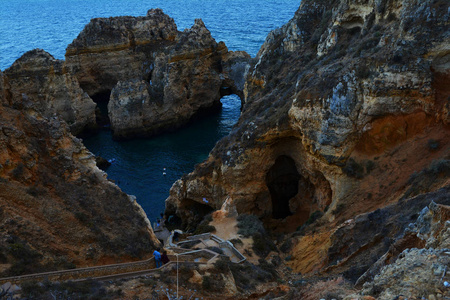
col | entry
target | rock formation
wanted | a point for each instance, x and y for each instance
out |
(57, 209)
(40, 82)
(346, 111)
(421, 259)
(158, 78)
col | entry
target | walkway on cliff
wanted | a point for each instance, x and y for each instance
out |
(204, 253)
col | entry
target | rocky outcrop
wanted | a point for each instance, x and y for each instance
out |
(176, 75)
(345, 112)
(421, 268)
(57, 209)
(40, 82)
(119, 48)
(357, 244)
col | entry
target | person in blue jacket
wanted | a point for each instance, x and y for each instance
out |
(157, 256)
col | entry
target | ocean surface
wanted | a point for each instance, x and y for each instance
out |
(139, 164)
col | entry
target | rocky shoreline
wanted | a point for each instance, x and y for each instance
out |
(345, 113)
(57, 208)
(159, 78)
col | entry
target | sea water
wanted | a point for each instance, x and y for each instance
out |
(146, 168)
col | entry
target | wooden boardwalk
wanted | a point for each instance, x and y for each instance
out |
(139, 268)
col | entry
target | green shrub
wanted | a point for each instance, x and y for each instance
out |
(204, 228)
(313, 217)
(339, 208)
(287, 246)
(23, 252)
(36, 191)
(363, 71)
(241, 274)
(249, 225)
(32, 289)
(17, 173)
(353, 169)
(236, 242)
(222, 264)
(207, 283)
(433, 144)
(262, 244)
(148, 282)
(82, 217)
(422, 181)
(268, 267)
(370, 165)
(213, 283)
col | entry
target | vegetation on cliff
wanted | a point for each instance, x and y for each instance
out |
(57, 209)
(344, 129)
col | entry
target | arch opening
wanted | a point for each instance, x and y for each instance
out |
(101, 111)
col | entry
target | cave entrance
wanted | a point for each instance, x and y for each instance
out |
(101, 112)
(282, 181)
(192, 213)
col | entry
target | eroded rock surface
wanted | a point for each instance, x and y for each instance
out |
(40, 82)
(421, 269)
(345, 112)
(57, 209)
(181, 74)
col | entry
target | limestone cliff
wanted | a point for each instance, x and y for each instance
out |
(416, 265)
(346, 111)
(158, 78)
(40, 82)
(57, 209)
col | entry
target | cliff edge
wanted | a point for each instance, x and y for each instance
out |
(154, 77)
(57, 209)
(346, 112)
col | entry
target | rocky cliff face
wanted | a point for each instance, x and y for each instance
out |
(421, 259)
(40, 82)
(57, 209)
(346, 111)
(159, 78)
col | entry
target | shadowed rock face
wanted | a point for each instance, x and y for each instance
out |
(160, 78)
(57, 209)
(417, 262)
(119, 48)
(353, 94)
(40, 82)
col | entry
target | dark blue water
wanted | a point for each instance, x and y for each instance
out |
(53, 24)
(139, 164)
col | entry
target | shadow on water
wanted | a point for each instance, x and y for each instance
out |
(139, 164)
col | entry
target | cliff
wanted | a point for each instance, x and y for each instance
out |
(156, 78)
(57, 209)
(41, 82)
(346, 112)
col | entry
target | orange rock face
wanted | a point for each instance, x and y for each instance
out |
(345, 113)
(57, 209)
